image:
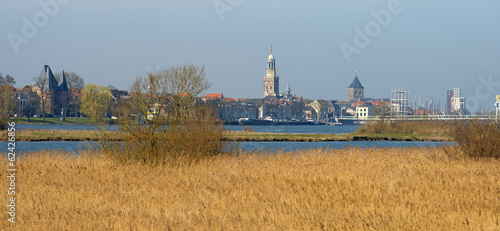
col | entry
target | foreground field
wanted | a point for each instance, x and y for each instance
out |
(351, 189)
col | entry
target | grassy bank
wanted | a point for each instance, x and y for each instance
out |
(350, 189)
(72, 135)
(50, 120)
(422, 128)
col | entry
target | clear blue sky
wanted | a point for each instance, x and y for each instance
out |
(427, 47)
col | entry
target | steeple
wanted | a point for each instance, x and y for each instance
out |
(355, 91)
(52, 79)
(271, 56)
(64, 84)
(271, 61)
(356, 83)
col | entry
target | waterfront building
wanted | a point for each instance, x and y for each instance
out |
(364, 111)
(324, 110)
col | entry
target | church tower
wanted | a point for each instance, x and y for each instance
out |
(355, 91)
(271, 80)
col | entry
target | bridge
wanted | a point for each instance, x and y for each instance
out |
(354, 120)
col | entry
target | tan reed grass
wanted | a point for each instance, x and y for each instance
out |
(349, 189)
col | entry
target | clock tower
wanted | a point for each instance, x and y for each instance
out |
(271, 80)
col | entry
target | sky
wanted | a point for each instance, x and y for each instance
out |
(425, 47)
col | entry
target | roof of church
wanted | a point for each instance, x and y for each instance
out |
(64, 85)
(355, 83)
(53, 85)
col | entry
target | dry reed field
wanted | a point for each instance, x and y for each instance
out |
(349, 189)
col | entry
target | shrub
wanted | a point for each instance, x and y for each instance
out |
(165, 123)
(477, 139)
(248, 129)
(404, 127)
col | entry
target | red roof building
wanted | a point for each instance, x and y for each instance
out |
(214, 97)
(229, 100)
(375, 103)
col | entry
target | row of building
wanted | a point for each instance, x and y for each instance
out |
(58, 99)
(285, 106)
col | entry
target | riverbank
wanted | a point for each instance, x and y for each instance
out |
(78, 135)
(316, 189)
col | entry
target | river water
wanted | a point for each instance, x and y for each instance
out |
(300, 129)
(76, 146)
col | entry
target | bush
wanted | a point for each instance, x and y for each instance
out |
(165, 123)
(477, 139)
(248, 129)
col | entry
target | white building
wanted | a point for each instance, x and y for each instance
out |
(458, 102)
(457, 92)
(364, 111)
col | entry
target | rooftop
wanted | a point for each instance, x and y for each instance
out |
(355, 83)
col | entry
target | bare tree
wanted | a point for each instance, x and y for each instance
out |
(382, 113)
(75, 102)
(73, 79)
(7, 80)
(42, 83)
(164, 121)
(6, 104)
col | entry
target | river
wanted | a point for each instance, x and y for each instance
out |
(77, 146)
(300, 129)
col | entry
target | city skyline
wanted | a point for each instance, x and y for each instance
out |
(318, 47)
